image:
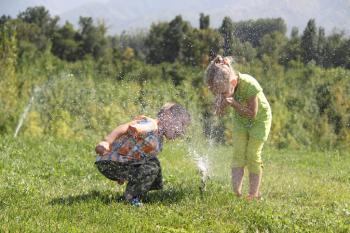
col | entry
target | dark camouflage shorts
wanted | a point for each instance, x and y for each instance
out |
(141, 177)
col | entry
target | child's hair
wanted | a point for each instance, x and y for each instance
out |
(177, 111)
(218, 75)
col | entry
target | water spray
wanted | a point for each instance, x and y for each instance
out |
(203, 169)
(48, 84)
(26, 110)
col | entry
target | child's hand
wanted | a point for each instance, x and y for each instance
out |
(120, 181)
(102, 148)
(230, 100)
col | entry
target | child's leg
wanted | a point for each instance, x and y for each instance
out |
(254, 185)
(254, 164)
(141, 178)
(158, 182)
(239, 161)
(113, 170)
(237, 180)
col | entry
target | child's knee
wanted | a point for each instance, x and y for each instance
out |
(112, 170)
(254, 163)
(239, 150)
(239, 158)
(238, 162)
(255, 167)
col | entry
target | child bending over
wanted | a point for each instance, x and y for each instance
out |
(129, 152)
(251, 121)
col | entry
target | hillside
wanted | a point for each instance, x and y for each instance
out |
(128, 15)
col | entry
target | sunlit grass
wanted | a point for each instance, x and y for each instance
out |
(51, 185)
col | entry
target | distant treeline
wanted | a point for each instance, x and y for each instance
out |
(90, 82)
(37, 30)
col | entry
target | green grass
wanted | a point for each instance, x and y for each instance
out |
(51, 185)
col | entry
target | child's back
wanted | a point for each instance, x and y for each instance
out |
(142, 141)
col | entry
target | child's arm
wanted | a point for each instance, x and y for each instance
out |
(103, 147)
(248, 111)
(117, 133)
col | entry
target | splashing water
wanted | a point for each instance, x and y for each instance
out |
(49, 84)
(203, 167)
(26, 110)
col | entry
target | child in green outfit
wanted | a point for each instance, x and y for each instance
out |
(251, 121)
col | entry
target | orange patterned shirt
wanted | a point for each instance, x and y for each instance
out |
(142, 141)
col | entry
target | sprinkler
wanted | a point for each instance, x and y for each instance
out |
(203, 172)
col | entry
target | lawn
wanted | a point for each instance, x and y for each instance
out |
(51, 185)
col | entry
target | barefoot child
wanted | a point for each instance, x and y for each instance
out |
(251, 121)
(129, 152)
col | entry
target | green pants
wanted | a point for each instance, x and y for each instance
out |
(247, 152)
(141, 177)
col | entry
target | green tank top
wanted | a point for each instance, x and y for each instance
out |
(259, 127)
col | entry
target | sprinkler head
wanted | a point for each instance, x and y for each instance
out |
(203, 186)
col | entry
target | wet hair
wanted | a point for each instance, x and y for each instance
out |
(177, 112)
(216, 76)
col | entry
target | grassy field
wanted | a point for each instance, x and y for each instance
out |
(52, 185)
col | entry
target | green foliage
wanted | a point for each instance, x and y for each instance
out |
(292, 51)
(309, 42)
(242, 52)
(106, 80)
(227, 32)
(254, 30)
(40, 18)
(155, 43)
(272, 45)
(65, 45)
(8, 77)
(204, 21)
(173, 38)
(200, 46)
(92, 38)
(83, 100)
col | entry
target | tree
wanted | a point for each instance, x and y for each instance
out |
(155, 43)
(272, 45)
(93, 41)
(343, 54)
(65, 43)
(200, 46)
(321, 46)
(8, 77)
(173, 38)
(204, 21)
(4, 19)
(309, 42)
(292, 51)
(227, 31)
(331, 49)
(135, 40)
(242, 52)
(47, 25)
(254, 30)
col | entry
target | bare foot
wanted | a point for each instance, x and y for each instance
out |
(253, 197)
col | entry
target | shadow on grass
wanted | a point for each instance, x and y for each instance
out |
(167, 196)
(105, 198)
